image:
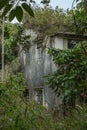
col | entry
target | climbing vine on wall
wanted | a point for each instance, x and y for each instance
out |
(11, 32)
(71, 75)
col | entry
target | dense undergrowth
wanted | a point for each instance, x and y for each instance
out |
(17, 113)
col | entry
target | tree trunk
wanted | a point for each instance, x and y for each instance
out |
(2, 76)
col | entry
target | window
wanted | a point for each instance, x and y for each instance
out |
(38, 94)
(72, 43)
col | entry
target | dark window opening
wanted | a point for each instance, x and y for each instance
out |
(72, 43)
(38, 93)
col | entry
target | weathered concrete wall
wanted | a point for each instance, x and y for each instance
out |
(37, 63)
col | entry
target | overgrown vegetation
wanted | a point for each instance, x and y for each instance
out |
(11, 47)
(75, 120)
(60, 21)
(43, 16)
(47, 20)
(16, 113)
(69, 81)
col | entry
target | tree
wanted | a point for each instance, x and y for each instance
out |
(15, 8)
(11, 34)
(79, 18)
(42, 16)
(70, 79)
(2, 77)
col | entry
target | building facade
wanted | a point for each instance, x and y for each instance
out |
(37, 63)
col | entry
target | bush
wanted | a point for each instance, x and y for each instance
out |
(75, 120)
(16, 113)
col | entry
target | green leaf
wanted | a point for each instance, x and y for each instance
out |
(28, 9)
(19, 13)
(6, 10)
(12, 15)
(3, 3)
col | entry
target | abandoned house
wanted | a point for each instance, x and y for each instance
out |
(37, 63)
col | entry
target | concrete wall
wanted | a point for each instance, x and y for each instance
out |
(37, 63)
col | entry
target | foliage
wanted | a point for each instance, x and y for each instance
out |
(78, 16)
(15, 8)
(40, 23)
(11, 35)
(16, 113)
(24, 41)
(70, 78)
(74, 20)
(75, 120)
(10, 98)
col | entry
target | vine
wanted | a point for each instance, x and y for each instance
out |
(70, 78)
